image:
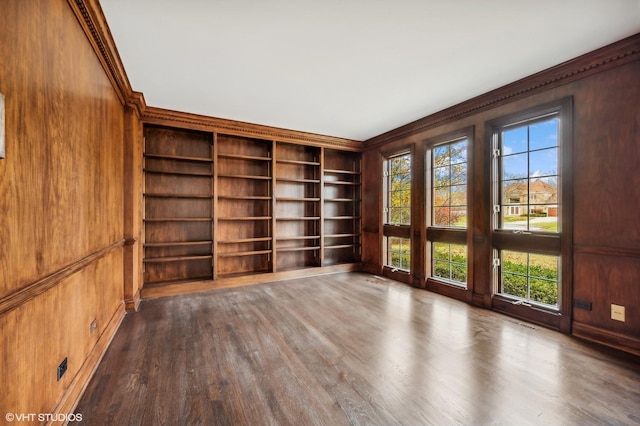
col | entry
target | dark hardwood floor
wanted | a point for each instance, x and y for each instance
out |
(350, 348)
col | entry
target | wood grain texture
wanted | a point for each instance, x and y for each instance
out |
(61, 202)
(350, 349)
(133, 207)
(153, 115)
(64, 123)
(601, 181)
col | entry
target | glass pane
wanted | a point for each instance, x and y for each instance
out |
(441, 216)
(441, 155)
(441, 176)
(458, 216)
(441, 196)
(543, 266)
(441, 251)
(459, 195)
(441, 269)
(394, 215)
(514, 192)
(515, 166)
(544, 218)
(514, 285)
(530, 277)
(398, 253)
(450, 262)
(514, 141)
(405, 216)
(449, 184)
(458, 152)
(458, 173)
(459, 272)
(514, 262)
(544, 291)
(543, 163)
(543, 134)
(514, 205)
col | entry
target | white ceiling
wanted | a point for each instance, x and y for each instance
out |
(348, 68)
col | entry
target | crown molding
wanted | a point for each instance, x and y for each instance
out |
(608, 57)
(159, 116)
(91, 18)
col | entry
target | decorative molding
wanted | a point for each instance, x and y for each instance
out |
(137, 103)
(132, 304)
(608, 338)
(161, 116)
(606, 251)
(20, 297)
(129, 241)
(93, 22)
(605, 58)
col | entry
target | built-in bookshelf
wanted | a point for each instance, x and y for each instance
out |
(244, 212)
(225, 206)
(178, 205)
(341, 207)
(297, 222)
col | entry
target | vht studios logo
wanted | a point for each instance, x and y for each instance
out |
(42, 417)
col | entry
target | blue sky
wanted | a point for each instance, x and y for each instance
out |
(541, 139)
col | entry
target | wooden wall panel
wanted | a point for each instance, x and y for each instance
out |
(607, 143)
(62, 174)
(371, 208)
(605, 86)
(61, 198)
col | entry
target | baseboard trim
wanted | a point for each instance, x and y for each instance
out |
(173, 289)
(132, 304)
(607, 338)
(72, 395)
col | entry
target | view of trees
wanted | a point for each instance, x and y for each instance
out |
(399, 195)
(449, 182)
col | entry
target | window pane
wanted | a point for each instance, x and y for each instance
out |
(514, 141)
(441, 176)
(459, 195)
(441, 216)
(529, 184)
(399, 253)
(449, 184)
(543, 134)
(458, 152)
(544, 162)
(515, 166)
(530, 277)
(441, 155)
(458, 216)
(450, 262)
(458, 173)
(398, 196)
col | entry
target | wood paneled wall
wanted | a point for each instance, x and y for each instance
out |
(605, 86)
(61, 204)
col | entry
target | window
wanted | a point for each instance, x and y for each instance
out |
(398, 200)
(447, 177)
(449, 184)
(450, 262)
(528, 163)
(399, 253)
(530, 277)
(397, 212)
(532, 213)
